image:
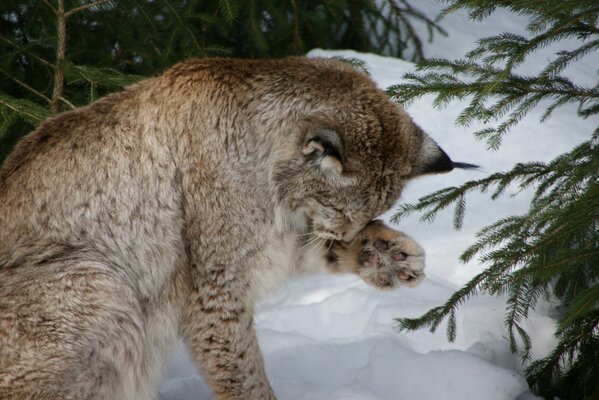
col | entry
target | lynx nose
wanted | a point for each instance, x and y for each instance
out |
(350, 231)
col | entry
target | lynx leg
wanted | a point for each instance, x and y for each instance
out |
(381, 256)
(68, 330)
(219, 332)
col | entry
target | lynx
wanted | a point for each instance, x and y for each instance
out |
(169, 209)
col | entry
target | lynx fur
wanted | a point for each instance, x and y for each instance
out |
(168, 209)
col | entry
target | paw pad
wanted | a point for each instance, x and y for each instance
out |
(384, 281)
(381, 245)
(369, 258)
(387, 261)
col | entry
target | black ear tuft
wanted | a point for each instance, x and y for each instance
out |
(462, 165)
(436, 161)
(431, 159)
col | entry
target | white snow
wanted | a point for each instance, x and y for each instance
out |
(333, 337)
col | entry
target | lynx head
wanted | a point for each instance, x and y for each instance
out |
(350, 152)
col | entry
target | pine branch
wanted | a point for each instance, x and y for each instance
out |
(84, 7)
(179, 18)
(567, 57)
(229, 9)
(580, 308)
(31, 54)
(519, 251)
(49, 6)
(512, 93)
(551, 368)
(29, 88)
(26, 109)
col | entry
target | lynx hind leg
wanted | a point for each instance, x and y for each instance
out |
(65, 328)
(381, 256)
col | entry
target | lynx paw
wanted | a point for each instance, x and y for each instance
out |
(383, 257)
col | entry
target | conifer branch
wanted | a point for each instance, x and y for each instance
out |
(84, 7)
(25, 109)
(46, 2)
(33, 55)
(26, 86)
(17, 110)
(553, 249)
(68, 103)
(179, 18)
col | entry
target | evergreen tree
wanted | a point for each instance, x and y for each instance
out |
(553, 249)
(56, 55)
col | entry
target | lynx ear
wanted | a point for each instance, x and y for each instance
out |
(324, 147)
(432, 159)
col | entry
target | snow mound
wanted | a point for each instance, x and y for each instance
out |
(334, 338)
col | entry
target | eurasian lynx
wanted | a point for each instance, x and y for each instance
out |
(169, 208)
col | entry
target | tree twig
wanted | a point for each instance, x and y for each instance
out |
(84, 7)
(50, 5)
(60, 53)
(32, 90)
(68, 103)
(20, 111)
(16, 45)
(183, 24)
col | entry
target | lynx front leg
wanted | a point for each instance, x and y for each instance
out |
(217, 321)
(218, 329)
(381, 256)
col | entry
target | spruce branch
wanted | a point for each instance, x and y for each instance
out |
(553, 249)
(185, 26)
(580, 307)
(519, 250)
(566, 57)
(229, 9)
(46, 2)
(26, 86)
(28, 110)
(490, 69)
(575, 342)
(85, 7)
(399, 33)
(31, 54)
(512, 93)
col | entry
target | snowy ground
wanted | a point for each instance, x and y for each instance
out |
(333, 338)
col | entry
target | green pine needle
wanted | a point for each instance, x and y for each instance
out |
(553, 249)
